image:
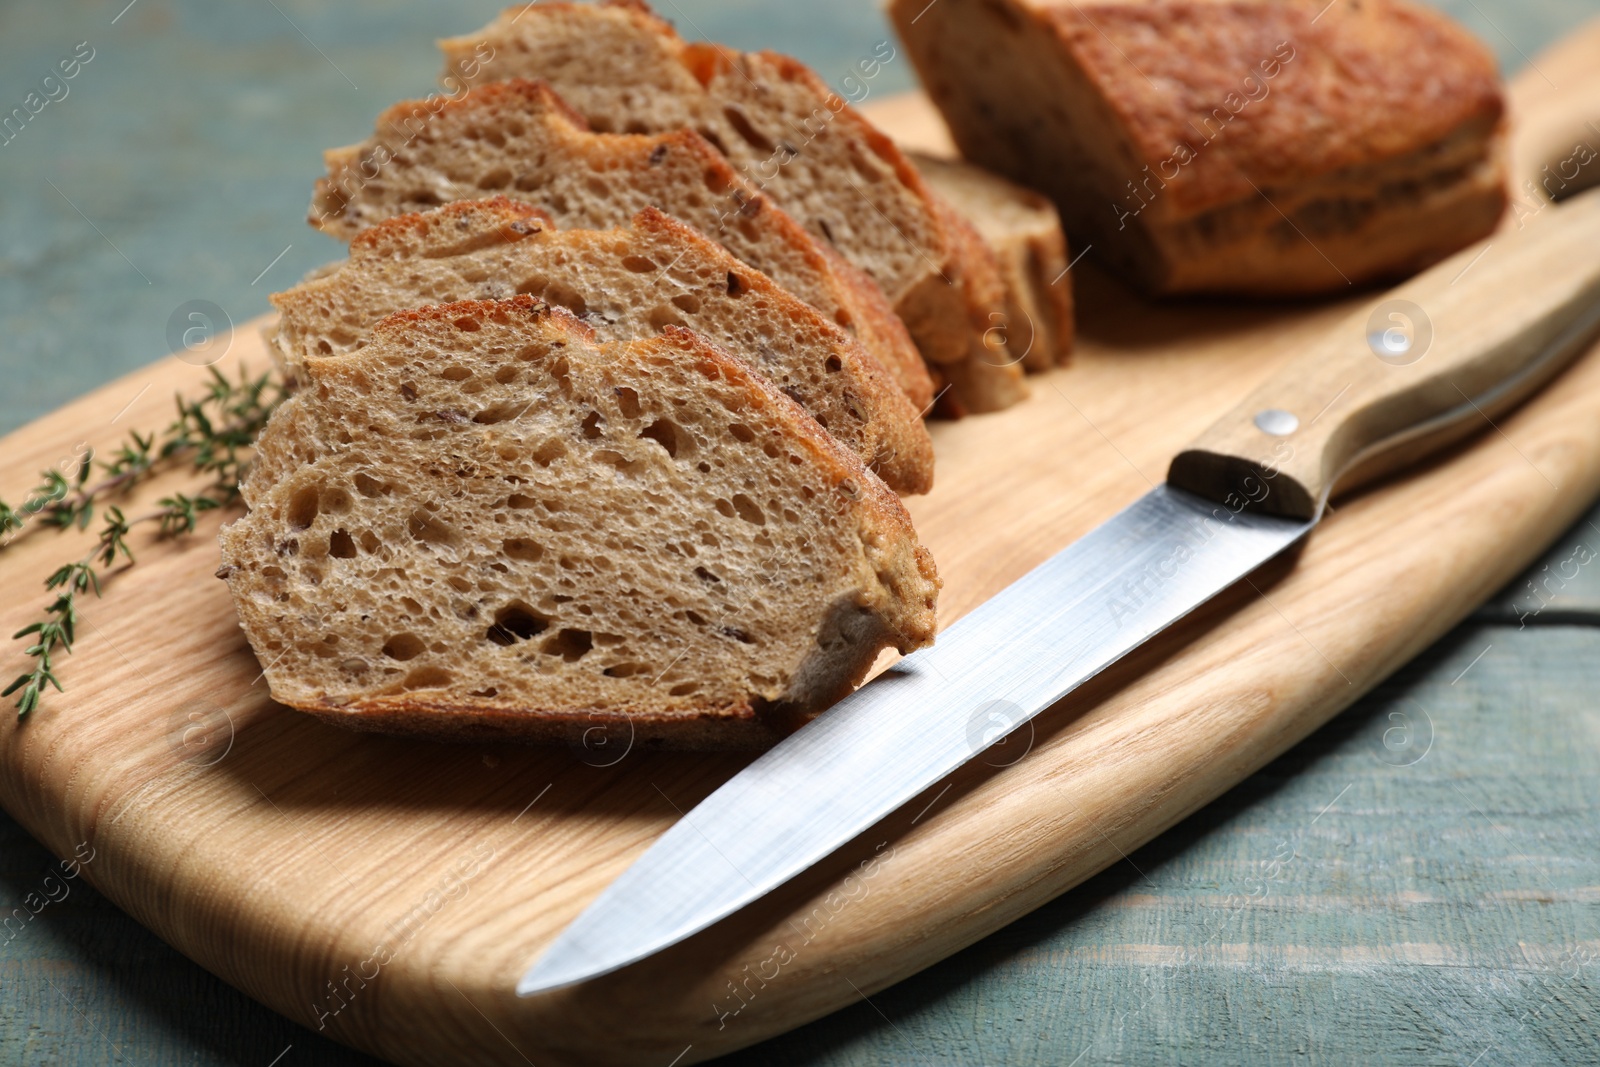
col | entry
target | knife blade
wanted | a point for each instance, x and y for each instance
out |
(1408, 373)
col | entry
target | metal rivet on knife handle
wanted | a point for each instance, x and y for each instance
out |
(1277, 422)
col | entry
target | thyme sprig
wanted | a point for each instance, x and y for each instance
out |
(211, 431)
(214, 432)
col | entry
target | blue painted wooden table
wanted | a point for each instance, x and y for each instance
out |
(1418, 883)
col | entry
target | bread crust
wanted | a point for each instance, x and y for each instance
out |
(887, 599)
(1260, 147)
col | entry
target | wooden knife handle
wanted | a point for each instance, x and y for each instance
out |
(1414, 369)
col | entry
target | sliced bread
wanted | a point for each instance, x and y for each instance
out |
(485, 523)
(990, 377)
(518, 139)
(628, 284)
(1024, 230)
(786, 131)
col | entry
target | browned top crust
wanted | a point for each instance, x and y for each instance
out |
(1324, 86)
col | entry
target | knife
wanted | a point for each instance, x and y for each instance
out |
(1431, 362)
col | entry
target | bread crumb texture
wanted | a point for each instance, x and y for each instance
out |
(485, 522)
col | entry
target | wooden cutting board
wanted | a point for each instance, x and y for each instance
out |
(389, 893)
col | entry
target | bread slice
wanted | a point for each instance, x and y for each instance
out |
(626, 283)
(1024, 230)
(990, 377)
(520, 140)
(1258, 147)
(786, 131)
(485, 523)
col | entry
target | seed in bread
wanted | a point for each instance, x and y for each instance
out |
(485, 523)
(1257, 147)
(623, 68)
(1024, 230)
(518, 139)
(628, 284)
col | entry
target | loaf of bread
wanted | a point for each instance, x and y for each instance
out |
(485, 523)
(781, 126)
(1024, 230)
(627, 284)
(518, 139)
(1261, 147)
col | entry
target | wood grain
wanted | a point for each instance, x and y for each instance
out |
(287, 856)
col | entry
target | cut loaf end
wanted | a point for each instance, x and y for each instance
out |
(1227, 148)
